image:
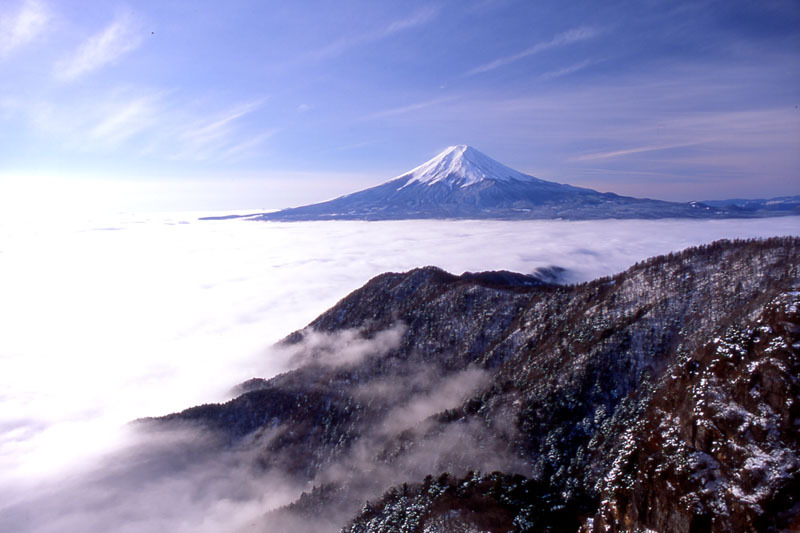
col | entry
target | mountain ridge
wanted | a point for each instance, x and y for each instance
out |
(561, 389)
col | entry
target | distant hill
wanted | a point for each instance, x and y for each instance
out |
(463, 183)
(778, 205)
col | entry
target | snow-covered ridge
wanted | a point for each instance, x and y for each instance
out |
(461, 166)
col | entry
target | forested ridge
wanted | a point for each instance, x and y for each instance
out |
(662, 398)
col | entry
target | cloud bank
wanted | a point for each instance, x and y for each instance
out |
(116, 319)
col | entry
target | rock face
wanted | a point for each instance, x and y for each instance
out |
(462, 182)
(664, 398)
(717, 447)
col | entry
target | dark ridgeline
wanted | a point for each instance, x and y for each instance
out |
(663, 398)
(463, 183)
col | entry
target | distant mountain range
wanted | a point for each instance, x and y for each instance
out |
(463, 183)
(778, 205)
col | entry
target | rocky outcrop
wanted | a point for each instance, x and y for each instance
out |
(717, 448)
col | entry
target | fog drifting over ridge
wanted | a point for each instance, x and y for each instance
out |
(135, 316)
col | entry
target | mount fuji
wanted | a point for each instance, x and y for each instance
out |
(462, 182)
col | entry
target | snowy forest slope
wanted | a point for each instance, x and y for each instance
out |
(665, 397)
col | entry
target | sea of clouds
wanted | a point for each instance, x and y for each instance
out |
(111, 319)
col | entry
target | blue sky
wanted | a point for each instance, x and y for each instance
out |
(247, 104)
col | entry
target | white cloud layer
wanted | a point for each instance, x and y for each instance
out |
(139, 316)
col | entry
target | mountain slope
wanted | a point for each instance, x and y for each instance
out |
(462, 182)
(664, 398)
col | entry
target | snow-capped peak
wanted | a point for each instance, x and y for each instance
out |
(461, 166)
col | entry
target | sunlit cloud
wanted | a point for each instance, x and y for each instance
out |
(574, 35)
(22, 27)
(121, 37)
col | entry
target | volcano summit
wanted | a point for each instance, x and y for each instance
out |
(462, 182)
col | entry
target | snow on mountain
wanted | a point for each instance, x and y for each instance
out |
(461, 166)
(463, 183)
(663, 398)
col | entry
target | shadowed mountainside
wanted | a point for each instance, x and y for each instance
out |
(665, 397)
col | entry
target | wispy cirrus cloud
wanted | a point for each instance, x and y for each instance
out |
(97, 122)
(716, 137)
(574, 35)
(247, 146)
(126, 118)
(354, 146)
(220, 136)
(22, 27)
(402, 110)
(630, 151)
(341, 45)
(566, 71)
(150, 122)
(122, 36)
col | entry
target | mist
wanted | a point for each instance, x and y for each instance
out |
(342, 348)
(109, 320)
